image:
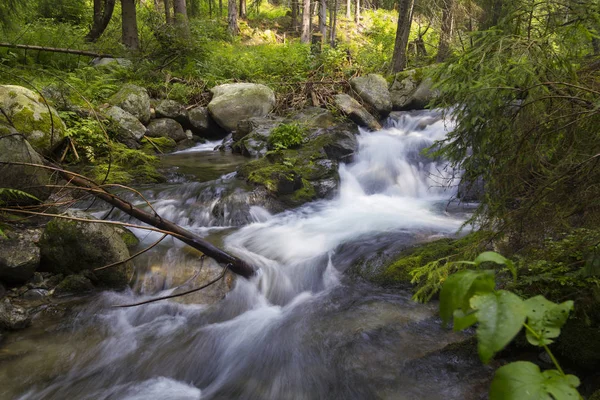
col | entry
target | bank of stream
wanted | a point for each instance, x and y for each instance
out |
(306, 327)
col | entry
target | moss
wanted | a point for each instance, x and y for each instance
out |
(164, 144)
(74, 284)
(129, 238)
(579, 343)
(306, 194)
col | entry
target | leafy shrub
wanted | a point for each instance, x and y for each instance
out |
(286, 135)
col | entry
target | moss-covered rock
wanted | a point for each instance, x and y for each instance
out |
(74, 284)
(234, 102)
(135, 100)
(26, 111)
(71, 247)
(166, 127)
(19, 257)
(172, 110)
(128, 129)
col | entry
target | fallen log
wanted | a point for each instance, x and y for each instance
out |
(234, 264)
(55, 50)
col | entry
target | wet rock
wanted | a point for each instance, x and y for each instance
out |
(13, 317)
(35, 294)
(165, 127)
(325, 188)
(71, 247)
(251, 146)
(19, 258)
(342, 143)
(411, 92)
(202, 124)
(74, 284)
(2, 291)
(133, 99)
(131, 241)
(26, 111)
(260, 126)
(313, 117)
(356, 112)
(173, 110)
(287, 183)
(25, 178)
(129, 129)
(234, 102)
(373, 90)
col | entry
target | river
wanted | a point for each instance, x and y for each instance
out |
(305, 328)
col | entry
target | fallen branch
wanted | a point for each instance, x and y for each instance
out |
(55, 50)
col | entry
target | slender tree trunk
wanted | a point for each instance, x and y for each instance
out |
(405, 11)
(232, 12)
(357, 12)
(243, 10)
(168, 18)
(220, 8)
(348, 9)
(447, 28)
(492, 11)
(334, 23)
(295, 10)
(210, 8)
(103, 11)
(306, 10)
(130, 36)
(181, 18)
(323, 18)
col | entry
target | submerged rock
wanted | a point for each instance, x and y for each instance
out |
(129, 129)
(234, 102)
(71, 247)
(135, 100)
(356, 112)
(373, 90)
(28, 179)
(27, 112)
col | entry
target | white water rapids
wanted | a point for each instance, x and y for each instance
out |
(301, 329)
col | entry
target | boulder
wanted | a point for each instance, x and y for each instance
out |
(165, 127)
(342, 143)
(409, 92)
(202, 124)
(261, 126)
(28, 179)
(173, 110)
(19, 258)
(234, 102)
(133, 99)
(129, 130)
(74, 284)
(252, 145)
(13, 317)
(373, 90)
(27, 112)
(356, 112)
(109, 61)
(313, 118)
(70, 247)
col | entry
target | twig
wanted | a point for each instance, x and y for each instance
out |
(133, 256)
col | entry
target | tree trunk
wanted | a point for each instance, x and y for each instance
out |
(295, 9)
(357, 11)
(220, 8)
(447, 28)
(181, 18)
(232, 27)
(405, 11)
(130, 36)
(323, 18)
(243, 10)
(103, 11)
(306, 21)
(348, 10)
(334, 23)
(168, 18)
(492, 11)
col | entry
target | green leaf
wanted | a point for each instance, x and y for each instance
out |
(523, 380)
(490, 256)
(545, 318)
(463, 321)
(460, 287)
(501, 316)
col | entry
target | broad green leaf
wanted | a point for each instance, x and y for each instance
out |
(460, 287)
(520, 380)
(561, 386)
(545, 318)
(463, 321)
(501, 316)
(491, 256)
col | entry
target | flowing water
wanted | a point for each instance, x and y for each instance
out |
(304, 328)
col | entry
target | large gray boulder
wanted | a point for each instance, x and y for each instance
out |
(356, 112)
(234, 102)
(129, 129)
(26, 111)
(173, 110)
(19, 257)
(313, 118)
(411, 92)
(203, 125)
(135, 100)
(71, 247)
(13, 317)
(373, 90)
(28, 179)
(166, 127)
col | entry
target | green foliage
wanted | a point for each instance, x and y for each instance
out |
(469, 297)
(86, 135)
(286, 136)
(73, 11)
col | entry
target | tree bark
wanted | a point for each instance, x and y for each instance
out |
(333, 29)
(103, 11)
(168, 17)
(447, 29)
(56, 50)
(181, 18)
(243, 9)
(323, 18)
(130, 36)
(295, 9)
(232, 27)
(348, 10)
(357, 11)
(405, 11)
(306, 15)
